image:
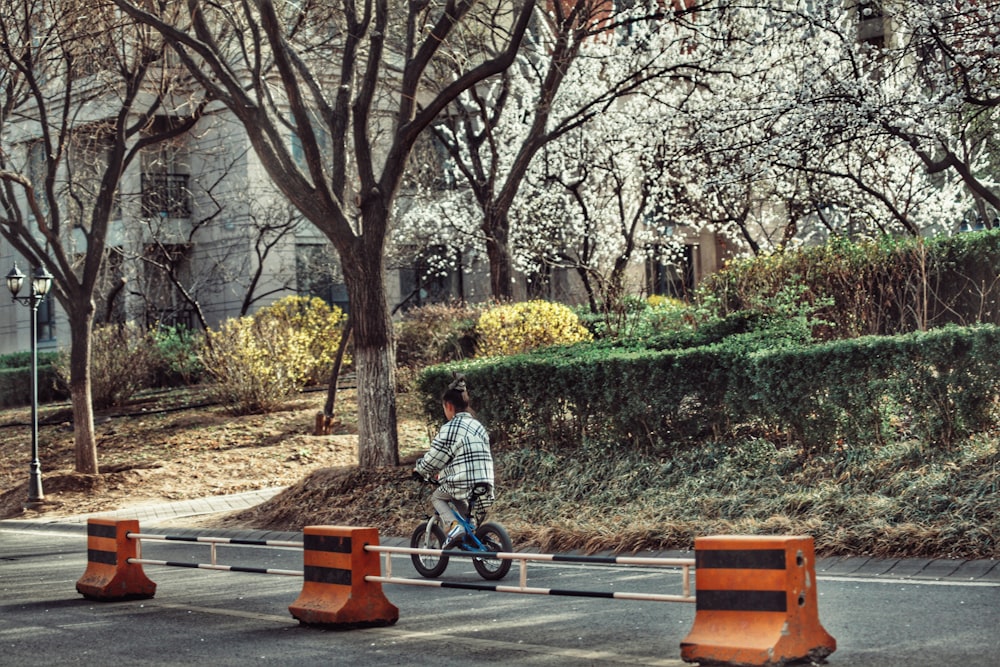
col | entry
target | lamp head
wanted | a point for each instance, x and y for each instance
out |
(15, 279)
(41, 282)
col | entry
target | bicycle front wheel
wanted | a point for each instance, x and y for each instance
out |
(495, 538)
(427, 565)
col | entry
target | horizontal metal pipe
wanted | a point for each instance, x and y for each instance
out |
(215, 540)
(554, 558)
(649, 597)
(212, 566)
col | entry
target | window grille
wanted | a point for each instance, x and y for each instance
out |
(165, 196)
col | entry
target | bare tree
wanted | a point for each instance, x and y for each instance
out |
(351, 82)
(80, 87)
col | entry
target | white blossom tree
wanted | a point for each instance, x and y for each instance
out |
(792, 121)
(594, 202)
(861, 125)
(580, 60)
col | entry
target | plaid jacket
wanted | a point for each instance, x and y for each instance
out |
(460, 455)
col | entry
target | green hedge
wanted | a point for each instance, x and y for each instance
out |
(23, 359)
(15, 386)
(15, 379)
(939, 386)
(888, 286)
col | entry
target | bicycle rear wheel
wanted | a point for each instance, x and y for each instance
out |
(494, 536)
(427, 565)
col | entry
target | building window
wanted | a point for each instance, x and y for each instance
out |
(447, 177)
(46, 322)
(317, 273)
(164, 303)
(109, 294)
(871, 23)
(436, 276)
(165, 196)
(670, 277)
(322, 142)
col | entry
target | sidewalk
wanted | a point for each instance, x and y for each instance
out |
(980, 572)
(154, 513)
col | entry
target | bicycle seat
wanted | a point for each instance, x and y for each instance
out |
(479, 489)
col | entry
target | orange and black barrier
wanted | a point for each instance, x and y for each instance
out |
(755, 602)
(755, 596)
(109, 574)
(335, 591)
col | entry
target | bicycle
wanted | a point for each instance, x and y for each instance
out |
(487, 537)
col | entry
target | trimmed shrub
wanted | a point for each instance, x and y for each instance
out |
(940, 386)
(521, 327)
(15, 386)
(15, 379)
(23, 359)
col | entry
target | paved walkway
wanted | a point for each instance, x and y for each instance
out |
(152, 513)
(982, 572)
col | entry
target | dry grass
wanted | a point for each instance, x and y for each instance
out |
(902, 499)
(941, 504)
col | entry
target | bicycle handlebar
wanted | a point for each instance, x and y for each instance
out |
(416, 476)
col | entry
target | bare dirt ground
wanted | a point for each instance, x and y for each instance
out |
(171, 445)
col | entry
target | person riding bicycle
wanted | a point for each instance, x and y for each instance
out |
(460, 457)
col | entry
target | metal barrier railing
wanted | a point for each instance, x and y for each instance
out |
(685, 565)
(213, 542)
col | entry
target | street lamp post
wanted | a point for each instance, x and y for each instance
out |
(41, 281)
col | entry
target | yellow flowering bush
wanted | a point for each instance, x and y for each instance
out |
(256, 363)
(520, 327)
(321, 323)
(663, 302)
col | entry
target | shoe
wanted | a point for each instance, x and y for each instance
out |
(455, 536)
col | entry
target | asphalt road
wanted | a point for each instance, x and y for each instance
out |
(206, 617)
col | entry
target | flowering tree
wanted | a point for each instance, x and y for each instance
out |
(594, 202)
(580, 60)
(858, 125)
(779, 123)
(790, 147)
(940, 92)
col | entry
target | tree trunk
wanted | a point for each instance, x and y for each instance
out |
(374, 355)
(324, 420)
(85, 443)
(378, 444)
(588, 287)
(338, 361)
(501, 262)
